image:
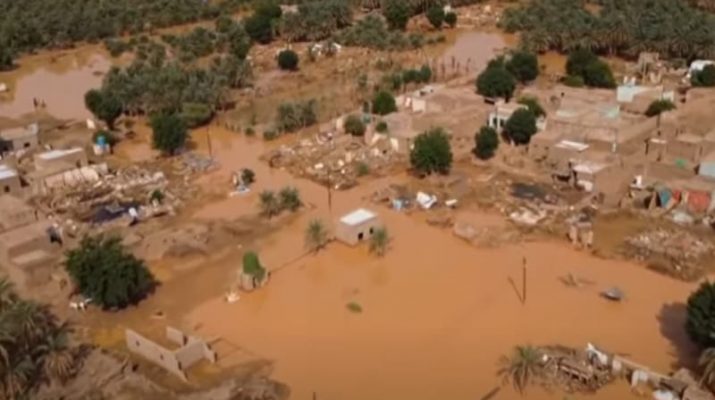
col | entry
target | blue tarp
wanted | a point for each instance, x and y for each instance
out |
(664, 196)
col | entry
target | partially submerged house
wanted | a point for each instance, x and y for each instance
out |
(15, 213)
(27, 253)
(9, 180)
(14, 139)
(357, 226)
(188, 351)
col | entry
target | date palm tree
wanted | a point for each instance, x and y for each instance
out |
(379, 241)
(269, 203)
(521, 368)
(316, 236)
(17, 377)
(59, 360)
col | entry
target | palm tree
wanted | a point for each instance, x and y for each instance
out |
(522, 367)
(17, 377)
(290, 198)
(30, 320)
(58, 362)
(316, 236)
(379, 241)
(269, 203)
(7, 294)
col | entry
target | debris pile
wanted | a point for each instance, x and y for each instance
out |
(675, 252)
(574, 370)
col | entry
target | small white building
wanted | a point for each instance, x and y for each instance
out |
(14, 139)
(9, 180)
(357, 226)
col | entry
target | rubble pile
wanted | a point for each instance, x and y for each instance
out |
(337, 162)
(679, 252)
(573, 370)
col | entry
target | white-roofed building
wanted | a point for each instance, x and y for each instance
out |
(9, 180)
(357, 226)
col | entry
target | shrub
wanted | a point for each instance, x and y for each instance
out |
(288, 60)
(573, 81)
(252, 266)
(270, 134)
(383, 103)
(294, 116)
(486, 143)
(524, 66)
(658, 107)
(397, 13)
(578, 60)
(362, 169)
(269, 204)
(532, 103)
(104, 271)
(169, 133)
(290, 199)
(599, 74)
(354, 307)
(425, 74)
(435, 16)
(521, 126)
(196, 114)
(248, 176)
(700, 321)
(259, 28)
(593, 72)
(316, 236)
(496, 81)
(354, 125)
(451, 19)
(705, 77)
(381, 127)
(432, 152)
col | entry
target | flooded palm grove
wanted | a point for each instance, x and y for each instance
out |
(432, 318)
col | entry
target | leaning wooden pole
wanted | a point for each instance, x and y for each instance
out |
(523, 281)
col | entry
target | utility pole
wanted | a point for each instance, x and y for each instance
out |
(523, 281)
(208, 140)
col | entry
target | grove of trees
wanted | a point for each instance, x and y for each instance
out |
(431, 152)
(625, 27)
(104, 105)
(293, 116)
(104, 271)
(316, 20)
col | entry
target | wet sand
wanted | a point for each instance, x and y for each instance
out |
(60, 78)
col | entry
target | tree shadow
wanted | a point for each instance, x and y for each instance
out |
(672, 318)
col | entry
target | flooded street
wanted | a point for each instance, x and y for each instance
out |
(60, 79)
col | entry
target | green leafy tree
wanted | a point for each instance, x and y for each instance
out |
(425, 74)
(521, 368)
(521, 126)
(252, 266)
(239, 41)
(432, 152)
(383, 103)
(353, 125)
(523, 65)
(381, 127)
(705, 77)
(288, 60)
(450, 19)
(103, 270)
(658, 107)
(397, 13)
(435, 16)
(290, 199)
(269, 203)
(599, 74)
(259, 28)
(532, 103)
(169, 133)
(104, 105)
(316, 236)
(700, 321)
(379, 241)
(578, 61)
(496, 81)
(486, 143)
(196, 114)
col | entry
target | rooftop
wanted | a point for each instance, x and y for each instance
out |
(588, 167)
(689, 138)
(7, 172)
(19, 132)
(357, 217)
(571, 145)
(55, 154)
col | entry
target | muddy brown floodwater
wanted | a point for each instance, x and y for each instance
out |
(60, 79)
(473, 49)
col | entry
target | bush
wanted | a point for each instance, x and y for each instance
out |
(496, 81)
(104, 271)
(524, 66)
(381, 127)
(532, 103)
(248, 176)
(290, 199)
(288, 60)
(700, 321)
(353, 125)
(397, 13)
(425, 74)
(599, 74)
(432, 152)
(592, 71)
(362, 169)
(294, 116)
(658, 107)
(196, 114)
(486, 143)
(383, 103)
(270, 204)
(169, 133)
(578, 60)
(521, 126)
(451, 19)
(435, 16)
(270, 134)
(705, 77)
(252, 266)
(259, 28)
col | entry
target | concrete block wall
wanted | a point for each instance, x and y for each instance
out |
(154, 353)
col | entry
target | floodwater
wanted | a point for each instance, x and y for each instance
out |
(59, 78)
(437, 313)
(472, 50)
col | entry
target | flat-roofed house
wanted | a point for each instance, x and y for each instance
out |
(9, 180)
(357, 226)
(19, 138)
